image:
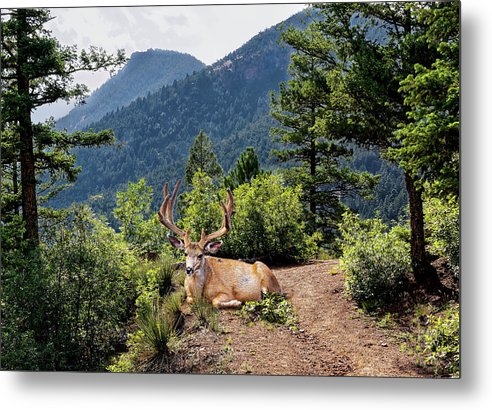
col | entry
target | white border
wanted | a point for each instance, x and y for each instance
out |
(89, 391)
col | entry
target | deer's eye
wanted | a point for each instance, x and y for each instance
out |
(200, 256)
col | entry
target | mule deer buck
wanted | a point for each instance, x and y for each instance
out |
(224, 282)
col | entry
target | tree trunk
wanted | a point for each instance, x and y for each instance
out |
(423, 271)
(27, 168)
(15, 184)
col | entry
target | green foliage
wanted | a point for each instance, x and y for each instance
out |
(64, 306)
(156, 325)
(268, 223)
(430, 137)
(313, 148)
(442, 222)
(138, 221)
(441, 342)
(23, 303)
(206, 315)
(125, 362)
(88, 266)
(158, 297)
(246, 168)
(272, 308)
(374, 260)
(200, 208)
(154, 279)
(202, 158)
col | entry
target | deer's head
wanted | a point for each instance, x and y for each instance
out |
(194, 251)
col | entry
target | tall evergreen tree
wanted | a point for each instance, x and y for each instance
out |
(37, 70)
(429, 148)
(246, 168)
(202, 158)
(374, 47)
(314, 152)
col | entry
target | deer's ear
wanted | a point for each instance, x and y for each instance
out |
(213, 247)
(177, 243)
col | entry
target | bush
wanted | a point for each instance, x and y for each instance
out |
(442, 222)
(88, 266)
(138, 222)
(206, 315)
(157, 326)
(374, 260)
(200, 208)
(268, 223)
(24, 303)
(272, 308)
(441, 342)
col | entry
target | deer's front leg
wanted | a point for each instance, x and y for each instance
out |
(224, 301)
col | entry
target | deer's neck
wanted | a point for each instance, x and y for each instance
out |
(199, 279)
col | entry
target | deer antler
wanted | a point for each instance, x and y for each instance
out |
(228, 210)
(166, 218)
(165, 213)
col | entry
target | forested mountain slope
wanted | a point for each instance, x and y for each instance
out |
(228, 100)
(145, 72)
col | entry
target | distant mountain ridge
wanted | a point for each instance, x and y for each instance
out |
(230, 101)
(145, 72)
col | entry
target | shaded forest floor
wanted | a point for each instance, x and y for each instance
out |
(333, 337)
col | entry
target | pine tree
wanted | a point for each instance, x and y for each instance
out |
(374, 47)
(37, 70)
(246, 168)
(315, 153)
(202, 158)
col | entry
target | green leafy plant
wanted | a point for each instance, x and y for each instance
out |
(156, 325)
(374, 259)
(442, 222)
(138, 222)
(272, 308)
(441, 342)
(268, 223)
(206, 315)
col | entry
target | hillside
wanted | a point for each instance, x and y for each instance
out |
(145, 72)
(230, 101)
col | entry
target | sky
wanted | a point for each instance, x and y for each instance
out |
(208, 32)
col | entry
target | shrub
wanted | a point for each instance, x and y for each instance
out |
(441, 342)
(24, 304)
(152, 279)
(442, 222)
(206, 315)
(156, 325)
(88, 266)
(200, 207)
(268, 223)
(138, 222)
(374, 260)
(272, 308)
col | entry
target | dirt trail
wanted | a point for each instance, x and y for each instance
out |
(331, 340)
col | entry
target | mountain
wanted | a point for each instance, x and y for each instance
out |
(229, 101)
(145, 72)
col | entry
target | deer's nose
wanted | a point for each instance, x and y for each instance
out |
(189, 271)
